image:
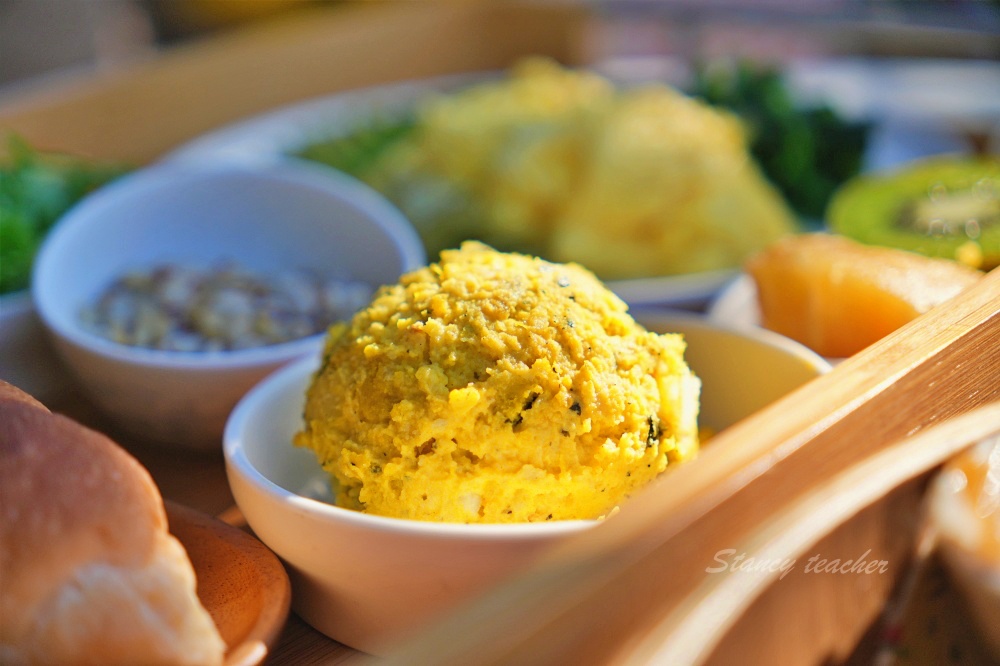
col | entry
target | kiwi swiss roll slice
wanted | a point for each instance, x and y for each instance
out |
(947, 206)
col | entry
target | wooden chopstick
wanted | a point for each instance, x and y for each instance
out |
(586, 595)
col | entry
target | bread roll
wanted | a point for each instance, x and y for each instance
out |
(89, 572)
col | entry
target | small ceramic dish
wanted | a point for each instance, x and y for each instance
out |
(241, 583)
(370, 581)
(265, 218)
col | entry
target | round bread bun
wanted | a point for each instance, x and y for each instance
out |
(90, 574)
(10, 392)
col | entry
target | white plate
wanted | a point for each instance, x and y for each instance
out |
(858, 88)
(276, 134)
(736, 305)
(693, 290)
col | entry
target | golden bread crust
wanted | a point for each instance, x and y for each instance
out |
(89, 572)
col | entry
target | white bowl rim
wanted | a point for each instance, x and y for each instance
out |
(382, 213)
(238, 461)
(758, 333)
(735, 306)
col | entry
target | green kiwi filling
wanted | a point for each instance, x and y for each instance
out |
(941, 207)
(949, 212)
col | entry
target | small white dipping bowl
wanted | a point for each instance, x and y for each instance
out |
(266, 218)
(369, 581)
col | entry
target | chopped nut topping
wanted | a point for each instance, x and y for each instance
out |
(182, 308)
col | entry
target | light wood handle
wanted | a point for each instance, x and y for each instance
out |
(689, 633)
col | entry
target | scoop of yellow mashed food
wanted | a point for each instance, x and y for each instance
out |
(494, 387)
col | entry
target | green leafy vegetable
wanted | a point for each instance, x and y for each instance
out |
(806, 152)
(356, 152)
(442, 213)
(35, 190)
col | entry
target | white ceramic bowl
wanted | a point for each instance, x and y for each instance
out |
(736, 305)
(368, 581)
(265, 218)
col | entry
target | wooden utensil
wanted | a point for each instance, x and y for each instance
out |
(241, 583)
(771, 485)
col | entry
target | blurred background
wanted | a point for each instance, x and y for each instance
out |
(826, 88)
(40, 37)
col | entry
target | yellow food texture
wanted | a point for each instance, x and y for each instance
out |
(495, 387)
(514, 146)
(669, 188)
(630, 183)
